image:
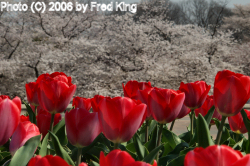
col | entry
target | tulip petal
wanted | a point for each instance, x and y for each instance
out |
(89, 128)
(132, 122)
(228, 96)
(110, 117)
(9, 119)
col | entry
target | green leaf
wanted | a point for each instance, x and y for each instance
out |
(171, 138)
(179, 150)
(43, 150)
(140, 149)
(178, 161)
(93, 163)
(151, 156)
(246, 122)
(185, 136)
(167, 149)
(209, 115)
(238, 145)
(32, 115)
(59, 149)
(25, 153)
(204, 137)
(61, 135)
(86, 149)
(4, 157)
(59, 125)
(153, 141)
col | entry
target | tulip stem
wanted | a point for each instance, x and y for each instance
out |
(51, 129)
(35, 111)
(146, 132)
(116, 145)
(217, 141)
(192, 124)
(172, 125)
(237, 137)
(79, 154)
(159, 140)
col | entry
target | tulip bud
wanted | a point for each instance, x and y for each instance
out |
(9, 117)
(48, 160)
(43, 121)
(95, 102)
(120, 118)
(121, 158)
(165, 104)
(55, 92)
(22, 134)
(138, 91)
(236, 123)
(231, 92)
(80, 102)
(82, 127)
(195, 93)
(213, 155)
(203, 110)
(32, 93)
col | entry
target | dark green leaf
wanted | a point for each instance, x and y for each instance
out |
(246, 122)
(61, 135)
(185, 136)
(171, 138)
(151, 156)
(140, 149)
(32, 115)
(86, 149)
(25, 153)
(178, 161)
(209, 115)
(153, 141)
(59, 149)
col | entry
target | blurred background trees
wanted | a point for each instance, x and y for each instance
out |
(164, 42)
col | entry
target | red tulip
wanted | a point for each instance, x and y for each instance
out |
(138, 91)
(203, 110)
(213, 155)
(83, 164)
(195, 92)
(165, 104)
(24, 118)
(43, 121)
(80, 102)
(48, 160)
(244, 161)
(120, 158)
(2, 97)
(95, 102)
(32, 93)
(236, 123)
(120, 118)
(9, 117)
(184, 111)
(23, 133)
(231, 92)
(82, 127)
(56, 91)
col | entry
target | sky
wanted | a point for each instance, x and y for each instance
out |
(230, 4)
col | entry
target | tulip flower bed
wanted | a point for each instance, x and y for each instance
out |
(134, 130)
